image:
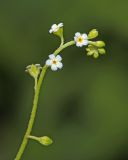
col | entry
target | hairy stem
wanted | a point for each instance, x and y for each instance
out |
(33, 114)
(35, 103)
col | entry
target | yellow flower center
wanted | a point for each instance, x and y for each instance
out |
(54, 61)
(80, 39)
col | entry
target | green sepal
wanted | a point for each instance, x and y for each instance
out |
(33, 70)
(59, 33)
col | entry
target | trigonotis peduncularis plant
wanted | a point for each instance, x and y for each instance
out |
(54, 62)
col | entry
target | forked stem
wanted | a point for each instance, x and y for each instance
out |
(35, 103)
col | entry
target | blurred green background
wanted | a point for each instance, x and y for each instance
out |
(83, 107)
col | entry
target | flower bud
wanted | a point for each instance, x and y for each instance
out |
(99, 44)
(90, 53)
(46, 141)
(93, 34)
(102, 51)
(96, 54)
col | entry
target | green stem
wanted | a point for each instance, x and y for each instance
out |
(33, 114)
(35, 103)
(62, 40)
(35, 84)
(64, 46)
(34, 138)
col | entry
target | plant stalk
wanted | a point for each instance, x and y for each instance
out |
(35, 103)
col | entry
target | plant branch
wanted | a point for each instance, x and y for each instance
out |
(35, 103)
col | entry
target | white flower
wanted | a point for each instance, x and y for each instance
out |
(81, 39)
(55, 27)
(54, 62)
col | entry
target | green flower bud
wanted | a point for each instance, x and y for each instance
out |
(96, 54)
(93, 34)
(90, 53)
(46, 141)
(99, 44)
(102, 51)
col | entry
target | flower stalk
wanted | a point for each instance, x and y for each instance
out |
(94, 48)
(35, 103)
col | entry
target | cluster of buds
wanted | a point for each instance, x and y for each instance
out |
(95, 48)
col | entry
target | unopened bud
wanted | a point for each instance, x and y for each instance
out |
(46, 141)
(93, 34)
(96, 54)
(102, 51)
(99, 44)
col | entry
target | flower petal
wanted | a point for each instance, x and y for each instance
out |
(58, 58)
(48, 62)
(51, 56)
(85, 42)
(79, 44)
(59, 65)
(75, 39)
(84, 36)
(54, 26)
(53, 67)
(60, 25)
(77, 34)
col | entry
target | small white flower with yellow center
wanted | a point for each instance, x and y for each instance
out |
(54, 62)
(81, 39)
(55, 27)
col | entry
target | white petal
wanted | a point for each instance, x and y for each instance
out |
(51, 56)
(75, 39)
(58, 58)
(59, 65)
(54, 26)
(85, 42)
(60, 25)
(48, 62)
(79, 44)
(84, 36)
(56, 29)
(77, 34)
(53, 67)
(50, 31)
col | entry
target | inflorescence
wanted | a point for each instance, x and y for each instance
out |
(93, 48)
